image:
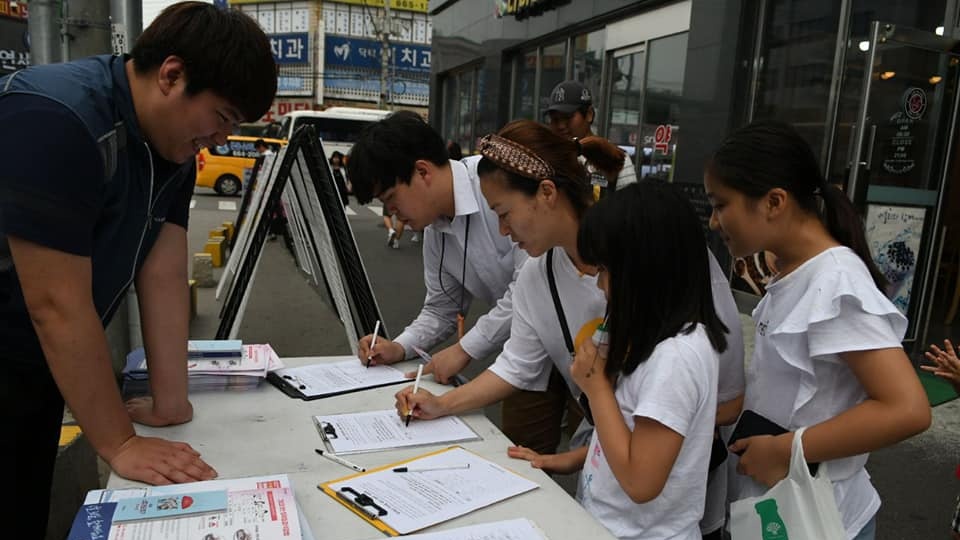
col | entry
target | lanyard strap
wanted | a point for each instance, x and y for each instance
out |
(463, 270)
(556, 302)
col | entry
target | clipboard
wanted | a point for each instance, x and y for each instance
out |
(376, 513)
(288, 382)
(328, 434)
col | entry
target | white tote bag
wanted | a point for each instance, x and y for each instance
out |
(799, 507)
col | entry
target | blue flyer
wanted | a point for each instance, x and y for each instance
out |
(172, 505)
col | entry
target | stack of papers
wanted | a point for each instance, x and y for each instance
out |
(261, 508)
(227, 372)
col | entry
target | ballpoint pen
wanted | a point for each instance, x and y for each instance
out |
(416, 386)
(337, 459)
(373, 342)
(428, 469)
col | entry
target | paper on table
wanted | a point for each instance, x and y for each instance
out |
(512, 529)
(381, 430)
(414, 501)
(339, 377)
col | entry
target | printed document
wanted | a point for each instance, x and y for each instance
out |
(338, 377)
(382, 430)
(411, 501)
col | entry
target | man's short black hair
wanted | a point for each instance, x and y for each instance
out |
(224, 51)
(386, 151)
(260, 143)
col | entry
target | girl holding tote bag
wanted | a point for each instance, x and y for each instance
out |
(828, 355)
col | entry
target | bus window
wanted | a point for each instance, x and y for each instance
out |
(333, 129)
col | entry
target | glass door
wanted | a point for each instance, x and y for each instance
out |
(900, 152)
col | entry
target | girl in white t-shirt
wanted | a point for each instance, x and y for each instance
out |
(532, 179)
(654, 396)
(827, 353)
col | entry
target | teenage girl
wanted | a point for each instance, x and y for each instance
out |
(827, 353)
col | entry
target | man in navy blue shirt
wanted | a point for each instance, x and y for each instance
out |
(94, 195)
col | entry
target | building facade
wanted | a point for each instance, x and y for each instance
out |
(871, 85)
(328, 53)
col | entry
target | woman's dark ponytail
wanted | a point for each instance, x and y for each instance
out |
(766, 155)
(846, 227)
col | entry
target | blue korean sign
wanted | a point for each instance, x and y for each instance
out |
(290, 48)
(365, 53)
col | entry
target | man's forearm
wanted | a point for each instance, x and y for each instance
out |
(165, 321)
(78, 356)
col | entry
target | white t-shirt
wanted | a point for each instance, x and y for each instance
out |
(731, 384)
(828, 305)
(536, 341)
(677, 387)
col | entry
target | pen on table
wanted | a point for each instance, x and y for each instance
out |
(416, 386)
(437, 468)
(337, 459)
(373, 342)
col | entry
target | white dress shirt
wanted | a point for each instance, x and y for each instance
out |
(492, 264)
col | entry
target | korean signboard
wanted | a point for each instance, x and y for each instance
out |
(290, 48)
(365, 53)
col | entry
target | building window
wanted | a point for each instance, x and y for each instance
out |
(664, 88)
(524, 86)
(797, 52)
(626, 97)
(588, 62)
(553, 71)
(462, 97)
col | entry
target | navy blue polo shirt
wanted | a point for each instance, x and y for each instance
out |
(51, 193)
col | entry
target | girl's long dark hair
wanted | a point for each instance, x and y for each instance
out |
(766, 155)
(649, 239)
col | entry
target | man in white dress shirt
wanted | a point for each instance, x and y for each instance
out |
(403, 162)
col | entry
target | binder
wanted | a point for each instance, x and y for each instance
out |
(378, 514)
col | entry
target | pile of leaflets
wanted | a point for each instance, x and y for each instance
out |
(261, 508)
(211, 365)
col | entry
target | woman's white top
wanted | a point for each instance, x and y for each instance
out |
(827, 306)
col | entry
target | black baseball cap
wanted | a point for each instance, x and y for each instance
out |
(569, 97)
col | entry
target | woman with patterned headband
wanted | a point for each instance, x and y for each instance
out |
(533, 180)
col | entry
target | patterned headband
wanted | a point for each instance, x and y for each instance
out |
(514, 157)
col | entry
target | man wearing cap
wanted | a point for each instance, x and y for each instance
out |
(571, 114)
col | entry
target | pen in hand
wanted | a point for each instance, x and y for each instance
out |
(416, 386)
(373, 342)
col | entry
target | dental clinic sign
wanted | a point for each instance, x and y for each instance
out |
(290, 48)
(365, 53)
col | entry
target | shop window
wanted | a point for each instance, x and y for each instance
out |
(553, 70)
(664, 88)
(924, 16)
(465, 101)
(450, 124)
(626, 97)
(588, 61)
(525, 76)
(797, 55)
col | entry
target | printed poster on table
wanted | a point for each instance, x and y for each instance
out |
(894, 234)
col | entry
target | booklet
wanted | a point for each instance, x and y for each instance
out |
(261, 508)
(172, 505)
(353, 433)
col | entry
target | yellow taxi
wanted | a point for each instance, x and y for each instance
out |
(221, 167)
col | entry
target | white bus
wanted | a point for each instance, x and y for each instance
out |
(338, 127)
